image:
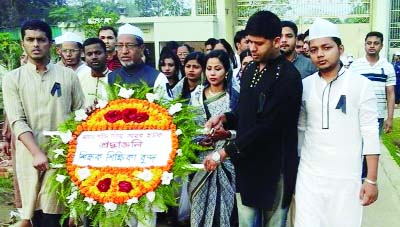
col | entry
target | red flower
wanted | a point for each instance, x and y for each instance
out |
(104, 185)
(141, 117)
(129, 114)
(125, 186)
(113, 116)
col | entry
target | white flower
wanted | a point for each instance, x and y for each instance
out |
(110, 206)
(101, 103)
(80, 115)
(72, 197)
(151, 97)
(15, 214)
(179, 152)
(58, 152)
(66, 136)
(56, 166)
(83, 173)
(151, 196)
(175, 108)
(60, 178)
(125, 93)
(74, 187)
(178, 132)
(146, 175)
(90, 201)
(166, 178)
(132, 201)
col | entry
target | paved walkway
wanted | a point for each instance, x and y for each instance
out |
(385, 212)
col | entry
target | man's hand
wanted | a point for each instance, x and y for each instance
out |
(40, 161)
(210, 164)
(207, 142)
(220, 134)
(5, 148)
(216, 122)
(368, 193)
(387, 126)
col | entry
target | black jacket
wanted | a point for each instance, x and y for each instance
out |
(266, 122)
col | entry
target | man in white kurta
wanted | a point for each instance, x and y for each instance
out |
(337, 126)
(93, 82)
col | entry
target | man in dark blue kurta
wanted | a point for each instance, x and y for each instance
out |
(130, 48)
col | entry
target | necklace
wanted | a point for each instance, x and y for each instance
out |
(213, 93)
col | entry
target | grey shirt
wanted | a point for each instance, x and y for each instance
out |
(304, 66)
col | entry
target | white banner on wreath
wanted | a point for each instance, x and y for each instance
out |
(123, 148)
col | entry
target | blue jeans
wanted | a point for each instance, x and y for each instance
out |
(257, 217)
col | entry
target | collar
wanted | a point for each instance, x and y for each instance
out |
(379, 62)
(103, 74)
(33, 67)
(342, 70)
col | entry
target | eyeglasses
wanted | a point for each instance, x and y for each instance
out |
(182, 54)
(128, 46)
(70, 51)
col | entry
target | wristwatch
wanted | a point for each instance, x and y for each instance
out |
(233, 134)
(216, 157)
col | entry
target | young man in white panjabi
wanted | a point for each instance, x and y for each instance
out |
(337, 126)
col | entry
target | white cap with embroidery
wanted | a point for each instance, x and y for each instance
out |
(322, 28)
(71, 37)
(131, 30)
(58, 40)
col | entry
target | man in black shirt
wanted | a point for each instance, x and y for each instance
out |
(265, 149)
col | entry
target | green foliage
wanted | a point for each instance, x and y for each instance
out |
(156, 8)
(392, 141)
(87, 16)
(6, 189)
(10, 51)
(16, 11)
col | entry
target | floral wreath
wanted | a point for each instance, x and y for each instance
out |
(114, 194)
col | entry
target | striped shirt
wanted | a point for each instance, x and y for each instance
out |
(381, 74)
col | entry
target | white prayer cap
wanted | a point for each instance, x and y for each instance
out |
(71, 37)
(131, 30)
(397, 53)
(322, 28)
(58, 40)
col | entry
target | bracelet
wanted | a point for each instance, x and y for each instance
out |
(370, 181)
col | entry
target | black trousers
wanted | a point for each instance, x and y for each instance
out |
(41, 219)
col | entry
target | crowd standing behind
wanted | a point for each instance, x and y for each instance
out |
(252, 96)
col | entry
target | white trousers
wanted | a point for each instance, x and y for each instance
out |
(327, 202)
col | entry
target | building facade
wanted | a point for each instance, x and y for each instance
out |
(194, 21)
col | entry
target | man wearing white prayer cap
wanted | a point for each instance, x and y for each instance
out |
(337, 126)
(71, 53)
(130, 46)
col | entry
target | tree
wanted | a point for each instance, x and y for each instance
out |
(86, 16)
(14, 12)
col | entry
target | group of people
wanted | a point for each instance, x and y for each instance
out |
(289, 126)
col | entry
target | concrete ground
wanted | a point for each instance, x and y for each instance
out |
(385, 212)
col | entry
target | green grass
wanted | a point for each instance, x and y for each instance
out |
(6, 190)
(392, 141)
